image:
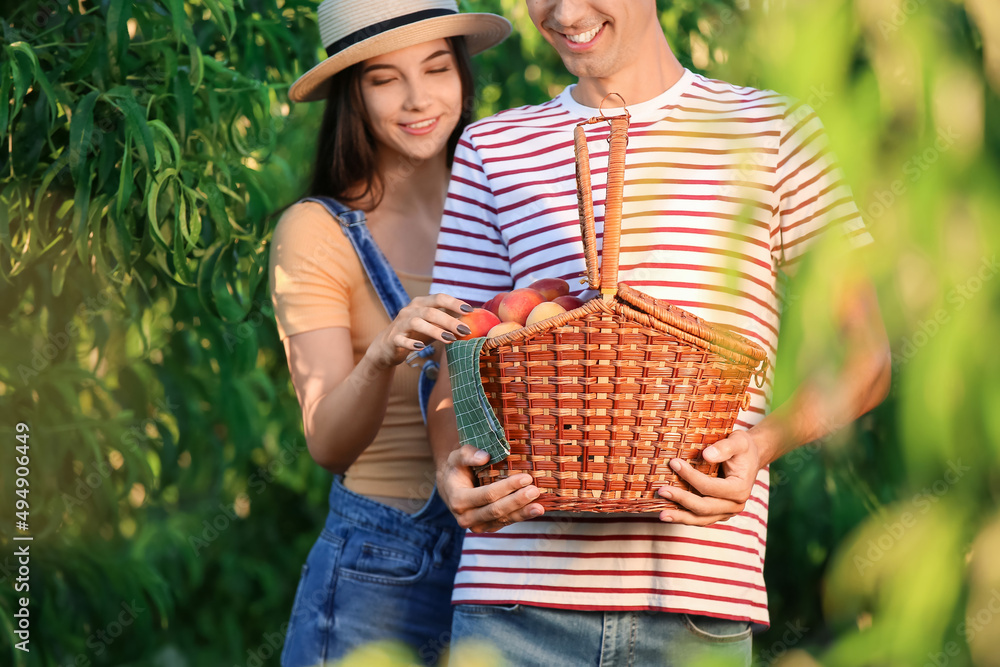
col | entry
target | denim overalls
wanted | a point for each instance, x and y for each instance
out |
(376, 572)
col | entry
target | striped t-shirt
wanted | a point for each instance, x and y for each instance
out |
(724, 186)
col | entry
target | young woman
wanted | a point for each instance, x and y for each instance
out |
(398, 93)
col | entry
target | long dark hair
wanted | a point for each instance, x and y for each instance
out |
(346, 155)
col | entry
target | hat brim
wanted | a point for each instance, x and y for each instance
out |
(482, 31)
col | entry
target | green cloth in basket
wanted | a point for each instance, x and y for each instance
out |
(477, 423)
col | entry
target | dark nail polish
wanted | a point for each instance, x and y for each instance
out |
(418, 345)
(447, 335)
(466, 308)
(464, 330)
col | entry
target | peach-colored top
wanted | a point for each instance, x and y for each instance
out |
(317, 281)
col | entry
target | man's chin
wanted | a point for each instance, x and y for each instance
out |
(585, 66)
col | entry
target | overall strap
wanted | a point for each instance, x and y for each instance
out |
(390, 291)
(383, 278)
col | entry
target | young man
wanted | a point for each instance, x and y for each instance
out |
(725, 187)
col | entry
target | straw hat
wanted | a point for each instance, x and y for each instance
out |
(355, 30)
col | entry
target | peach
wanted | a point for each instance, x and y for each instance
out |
(480, 321)
(502, 328)
(568, 302)
(551, 288)
(493, 304)
(516, 306)
(544, 311)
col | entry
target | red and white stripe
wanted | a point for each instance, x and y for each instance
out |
(725, 185)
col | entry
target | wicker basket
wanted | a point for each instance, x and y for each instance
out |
(596, 401)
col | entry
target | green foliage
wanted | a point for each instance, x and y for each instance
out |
(140, 173)
(146, 150)
(878, 539)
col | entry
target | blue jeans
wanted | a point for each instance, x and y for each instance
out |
(375, 573)
(526, 635)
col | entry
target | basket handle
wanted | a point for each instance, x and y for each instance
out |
(585, 202)
(611, 247)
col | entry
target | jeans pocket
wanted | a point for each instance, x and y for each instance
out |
(389, 565)
(311, 618)
(487, 609)
(387, 561)
(716, 630)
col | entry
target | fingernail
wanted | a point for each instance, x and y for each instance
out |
(447, 335)
(466, 308)
(534, 511)
(675, 464)
(666, 518)
(482, 455)
(418, 345)
(526, 480)
(665, 493)
(464, 330)
(534, 493)
(710, 451)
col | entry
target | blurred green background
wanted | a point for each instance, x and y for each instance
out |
(147, 149)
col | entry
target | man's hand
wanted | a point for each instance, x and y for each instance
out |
(721, 498)
(489, 508)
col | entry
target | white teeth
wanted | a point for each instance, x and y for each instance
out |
(584, 37)
(421, 124)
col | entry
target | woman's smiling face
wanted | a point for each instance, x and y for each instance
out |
(413, 97)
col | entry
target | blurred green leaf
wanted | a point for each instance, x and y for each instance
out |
(80, 131)
(135, 120)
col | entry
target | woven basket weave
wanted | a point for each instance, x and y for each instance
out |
(595, 402)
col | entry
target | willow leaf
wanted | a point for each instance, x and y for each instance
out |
(5, 83)
(119, 12)
(80, 130)
(168, 134)
(126, 181)
(135, 120)
(39, 78)
(81, 209)
(23, 76)
(197, 73)
(219, 17)
(5, 224)
(152, 196)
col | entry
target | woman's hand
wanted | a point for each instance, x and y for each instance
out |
(421, 321)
